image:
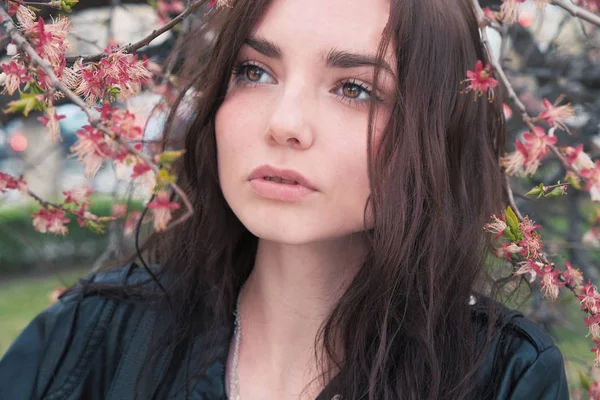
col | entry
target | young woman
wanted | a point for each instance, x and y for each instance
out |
(340, 182)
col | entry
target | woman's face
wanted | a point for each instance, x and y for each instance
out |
(298, 104)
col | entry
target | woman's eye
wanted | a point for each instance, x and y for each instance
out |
(251, 74)
(355, 91)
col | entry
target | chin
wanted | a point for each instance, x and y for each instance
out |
(297, 230)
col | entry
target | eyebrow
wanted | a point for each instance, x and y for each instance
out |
(334, 59)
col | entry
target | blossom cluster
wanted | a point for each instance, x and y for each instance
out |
(116, 137)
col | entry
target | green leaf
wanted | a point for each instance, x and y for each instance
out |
(165, 178)
(536, 190)
(557, 191)
(509, 235)
(167, 158)
(114, 92)
(67, 5)
(574, 181)
(96, 227)
(511, 220)
(25, 104)
(33, 88)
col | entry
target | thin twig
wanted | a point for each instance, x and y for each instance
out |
(577, 12)
(148, 39)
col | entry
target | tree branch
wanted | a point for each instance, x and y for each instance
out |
(148, 39)
(577, 11)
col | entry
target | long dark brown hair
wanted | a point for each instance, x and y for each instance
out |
(404, 323)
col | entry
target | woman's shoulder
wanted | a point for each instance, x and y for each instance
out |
(522, 360)
(59, 350)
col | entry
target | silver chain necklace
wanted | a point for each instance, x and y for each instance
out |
(234, 384)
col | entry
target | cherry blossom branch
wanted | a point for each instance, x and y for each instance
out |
(577, 12)
(148, 39)
(46, 204)
(512, 95)
(21, 42)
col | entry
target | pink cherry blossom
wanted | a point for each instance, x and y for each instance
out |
(90, 82)
(537, 144)
(13, 6)
(556, 116)
(589, 299)
(594, 391)
(514, 163)
(26, 18)
(593, 324)
(529, 267)
(577, 158)
(119, 210)
(167, 7)
(490, 14)
(497, 226)
(50, 221)
(161, 208)
(144, 175)
(507, 111)
(51, 122)
(84, 215)
(592, 5)
(592, 183)
(14, 75)
(531, 242)
(481, 80)
(572, 276)
(597, 351)
(509, 10)
(6, 182)
(131, 223)
(219, 3)
(591, 237)
(549, 280)
(531, 246)
(507, 249)
(528, 155)
(91, 149)
(50, 41)
(79, 195)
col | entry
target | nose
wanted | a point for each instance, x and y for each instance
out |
(290, 122)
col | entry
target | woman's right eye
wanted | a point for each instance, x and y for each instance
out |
(251, 74)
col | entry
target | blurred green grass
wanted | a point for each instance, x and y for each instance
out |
(21, 299)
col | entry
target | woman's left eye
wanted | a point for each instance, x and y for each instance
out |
(354, 91)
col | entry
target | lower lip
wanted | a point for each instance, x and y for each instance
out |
(280, 191)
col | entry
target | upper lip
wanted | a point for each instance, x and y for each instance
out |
(287, 174)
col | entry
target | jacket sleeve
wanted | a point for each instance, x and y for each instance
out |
(545, 379)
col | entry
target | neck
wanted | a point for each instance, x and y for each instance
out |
(287, 297)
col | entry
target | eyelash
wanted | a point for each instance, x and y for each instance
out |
(240, 69)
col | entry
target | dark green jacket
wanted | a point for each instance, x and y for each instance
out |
(109, 338)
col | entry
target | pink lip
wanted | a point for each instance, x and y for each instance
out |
(280, 191)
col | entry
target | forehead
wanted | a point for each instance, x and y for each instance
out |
(314, 27)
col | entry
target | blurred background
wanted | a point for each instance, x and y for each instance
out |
(545, 55)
